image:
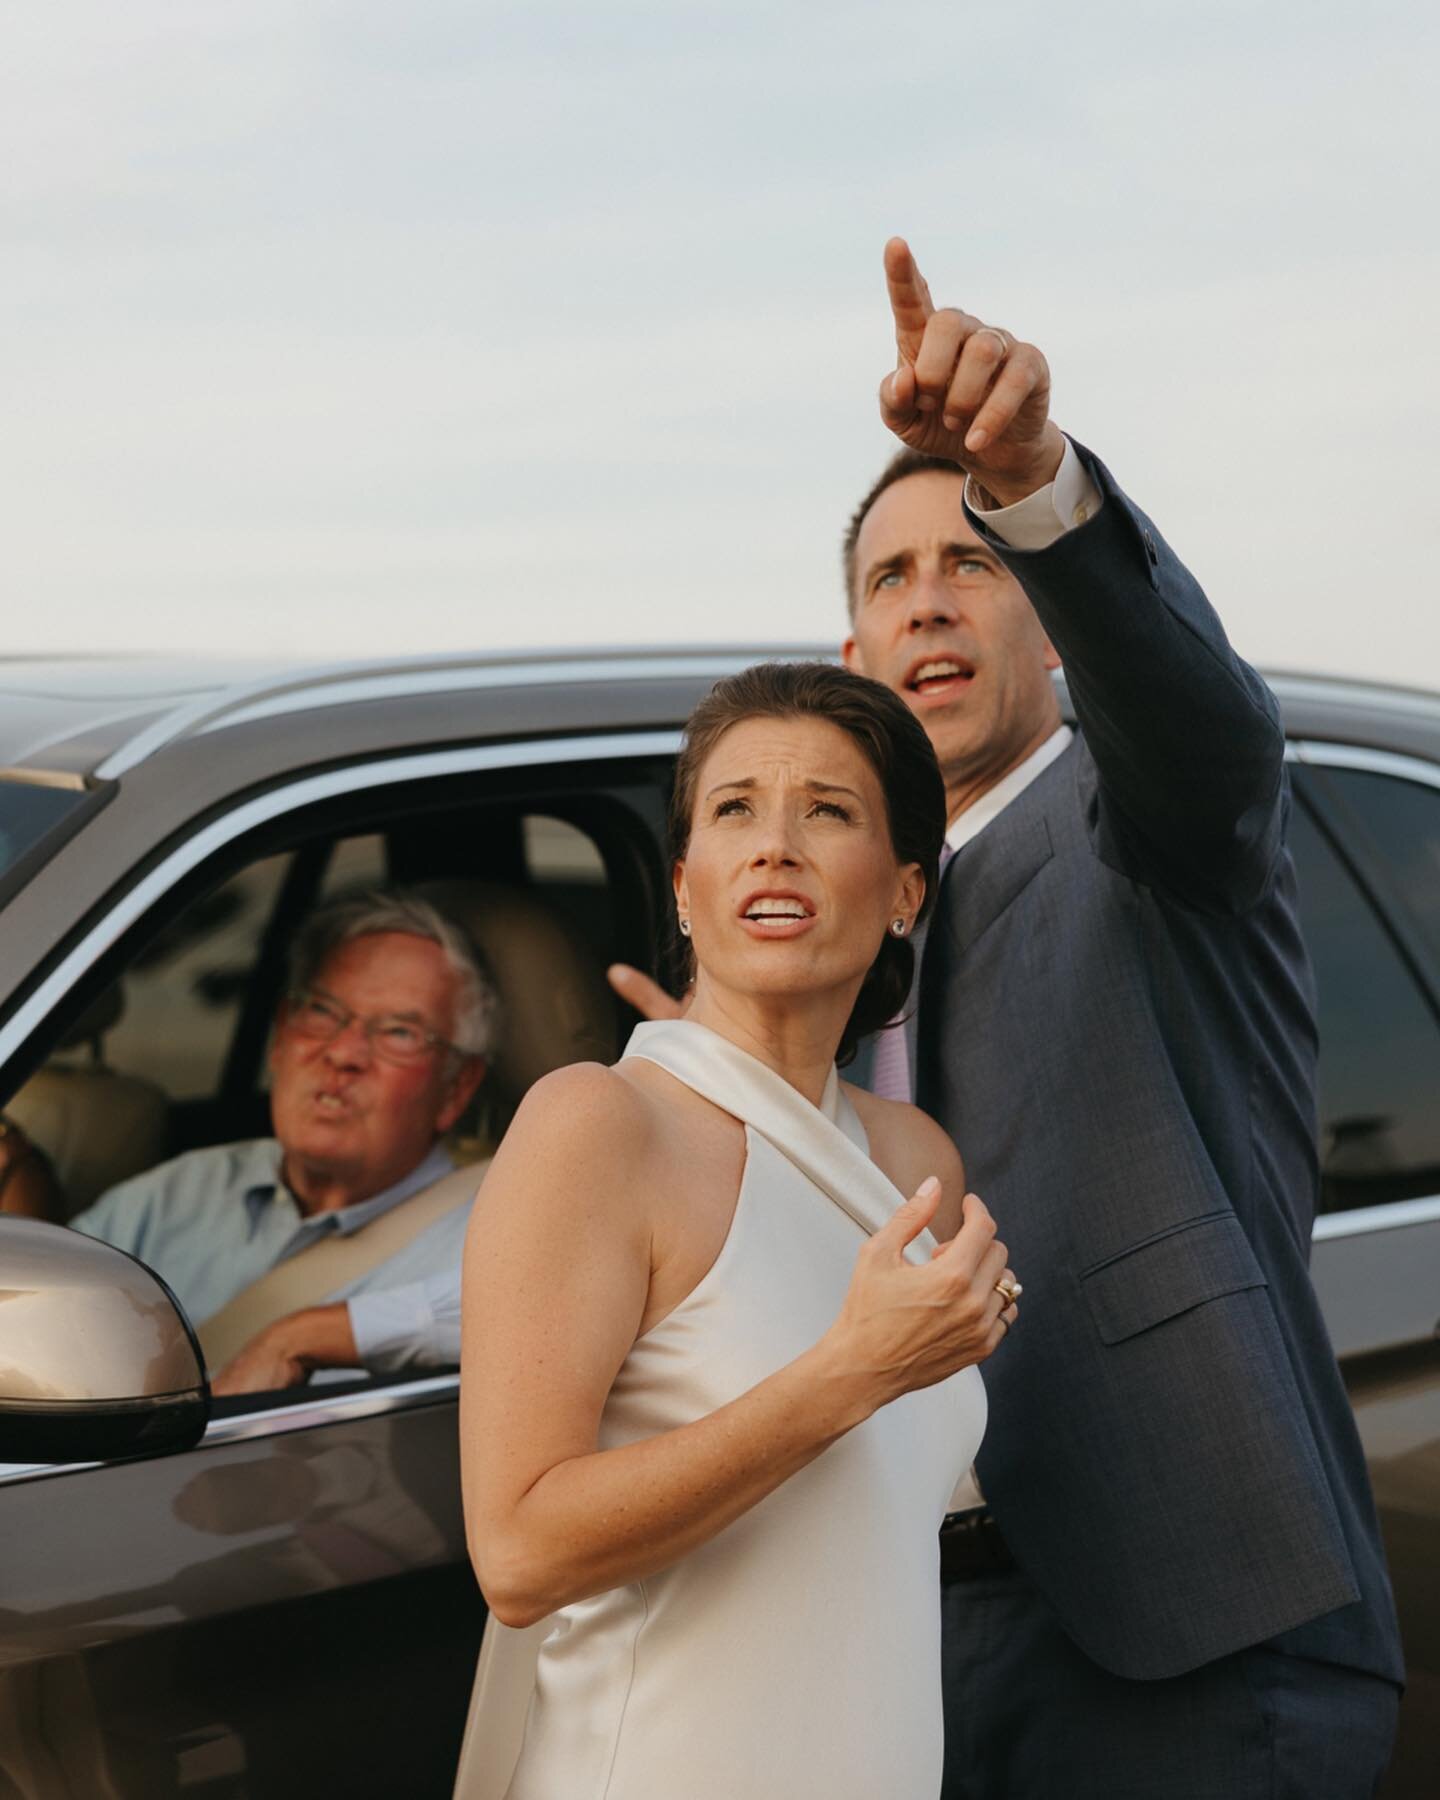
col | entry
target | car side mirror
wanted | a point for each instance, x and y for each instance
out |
(96, 1358)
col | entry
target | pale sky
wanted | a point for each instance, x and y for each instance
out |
(350, 328)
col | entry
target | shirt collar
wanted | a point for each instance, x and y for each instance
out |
(991, 804)
(268, 1188)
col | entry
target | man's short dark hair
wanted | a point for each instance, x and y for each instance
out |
(903, 463)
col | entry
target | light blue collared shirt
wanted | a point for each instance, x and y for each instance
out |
(212, 1221)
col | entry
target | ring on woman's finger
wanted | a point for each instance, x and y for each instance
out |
(1006, 341)
(1009, 1289)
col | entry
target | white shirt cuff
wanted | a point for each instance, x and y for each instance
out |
(1042, 518)
(396, 1328)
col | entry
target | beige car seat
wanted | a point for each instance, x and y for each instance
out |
(555, 1005)
(96, 1125)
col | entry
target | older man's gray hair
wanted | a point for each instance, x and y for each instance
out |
(477, 1004)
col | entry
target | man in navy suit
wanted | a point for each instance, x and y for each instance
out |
(1165, 1576)
(1168, 1580)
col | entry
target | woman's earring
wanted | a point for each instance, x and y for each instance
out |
(684, 928)
(897, 927)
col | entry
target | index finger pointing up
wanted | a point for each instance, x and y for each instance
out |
(909, 298)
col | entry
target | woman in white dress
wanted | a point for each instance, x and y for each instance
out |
(719, 1375)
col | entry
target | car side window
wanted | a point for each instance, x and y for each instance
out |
(1379, 1041)
(184, 993)
(150, 1048)
(355, 865)
(1403, 820)
(535, 888)
(564, 864)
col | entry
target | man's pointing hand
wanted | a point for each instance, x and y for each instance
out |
(966, 390)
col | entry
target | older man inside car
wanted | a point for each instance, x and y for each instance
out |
(298, 1251)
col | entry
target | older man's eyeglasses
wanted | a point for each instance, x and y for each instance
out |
(392, 1039)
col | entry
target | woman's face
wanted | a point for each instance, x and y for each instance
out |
(789, 879)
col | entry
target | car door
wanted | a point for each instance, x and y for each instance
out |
(1366, 839)
(284, 1610)
(287, 1609)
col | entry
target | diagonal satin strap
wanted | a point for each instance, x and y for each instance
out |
(826, 1143)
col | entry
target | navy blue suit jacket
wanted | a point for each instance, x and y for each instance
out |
(1116, 1024)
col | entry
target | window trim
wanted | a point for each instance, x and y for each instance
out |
(1360, 1220)
(316, 1408)
(1322, 755)
(1318, 754)
(312, 1410)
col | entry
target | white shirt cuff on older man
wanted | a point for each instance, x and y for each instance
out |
(417, 1323)
(1041, 518)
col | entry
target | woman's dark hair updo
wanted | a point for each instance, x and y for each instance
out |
(893, 742)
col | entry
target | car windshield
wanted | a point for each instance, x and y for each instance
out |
(29, 812)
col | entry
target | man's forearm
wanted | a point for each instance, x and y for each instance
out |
(287, 1352)
(1185, 735)
(320, 1337)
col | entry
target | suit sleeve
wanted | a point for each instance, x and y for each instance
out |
(1185, 736)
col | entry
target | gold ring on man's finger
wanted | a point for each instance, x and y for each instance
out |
(1009, 1289)
(1006, 341)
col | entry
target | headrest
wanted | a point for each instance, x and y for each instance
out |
(100, 1016)
(556, 1006)
(96, 1127)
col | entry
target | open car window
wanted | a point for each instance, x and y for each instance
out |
(182, 996)
(551, 889)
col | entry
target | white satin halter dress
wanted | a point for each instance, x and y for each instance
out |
(798, 1652)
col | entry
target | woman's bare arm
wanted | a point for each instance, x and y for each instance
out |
(557, 1270)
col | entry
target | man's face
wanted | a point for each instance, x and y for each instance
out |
(338, 1110)
(940, 620)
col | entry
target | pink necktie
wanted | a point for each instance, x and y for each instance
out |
(890, 1071)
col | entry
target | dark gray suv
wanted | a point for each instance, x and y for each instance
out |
(271, 1596)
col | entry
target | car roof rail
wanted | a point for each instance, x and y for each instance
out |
(350, 682)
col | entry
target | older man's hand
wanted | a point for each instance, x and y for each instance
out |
(967, 390)
(288, 1352)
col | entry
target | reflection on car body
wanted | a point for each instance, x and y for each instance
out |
(288, 1603)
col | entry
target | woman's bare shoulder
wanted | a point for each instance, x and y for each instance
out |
(584, 1118)
(589, 1093)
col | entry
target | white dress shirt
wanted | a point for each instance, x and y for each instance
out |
(990, 805)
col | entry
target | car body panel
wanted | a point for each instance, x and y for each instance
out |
(195, 1618)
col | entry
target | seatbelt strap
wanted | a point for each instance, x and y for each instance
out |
(333, 1261)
